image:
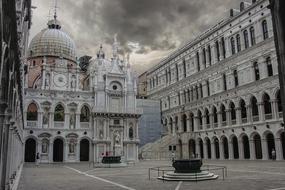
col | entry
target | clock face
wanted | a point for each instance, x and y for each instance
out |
(60, 80)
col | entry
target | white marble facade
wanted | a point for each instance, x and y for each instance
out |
(219, 93)
(74, 114)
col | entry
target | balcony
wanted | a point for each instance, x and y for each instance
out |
(59, 124)
(84, 125)
(268, 116)
(224, 123)
(32, 124)
(255, 118)
(244, 120)
(234, 122)
(208, 126)
(216, 125)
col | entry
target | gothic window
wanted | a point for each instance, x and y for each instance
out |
(269, 67)
(131, 132)
(252, 35)
(236, 78)
(233, 111)
(207, 116)
(217, 50)
(233, 45)
(210, 55)
(201, 90)
(267, 104)
(254, 106)
(215, 114)
(198, 61)
(238, 43)
(204, 56)
(265, 29)
(197, 92)
(279, 101)
(59, 113)
(200, 120)
(256, 71)
(246, 41)
(225, 81)
(184, 68)
(223, 112)
(32, 112)
(85, 114)
(223, 47)
(208, 87)
(243, 109)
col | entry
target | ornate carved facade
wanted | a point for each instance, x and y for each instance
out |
(219, 93)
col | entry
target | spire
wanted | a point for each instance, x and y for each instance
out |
(55, 9)
(115, 47)
(100, 53)
(54, 23)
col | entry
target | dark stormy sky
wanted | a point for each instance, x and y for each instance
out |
(147, 29)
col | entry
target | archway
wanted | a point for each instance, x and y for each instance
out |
(246, 150)
(58, 150)
(217, 148)
(209, 151)
(192, 148)
(257, 145)
(235, 147)
(84, 150)
(201, 148)
(30, 150)
(282, 139)
(270, 144)
(226, 147)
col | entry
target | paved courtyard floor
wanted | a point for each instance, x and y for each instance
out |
(242, 175)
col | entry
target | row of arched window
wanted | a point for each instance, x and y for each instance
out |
(59, 113)
(232, 109)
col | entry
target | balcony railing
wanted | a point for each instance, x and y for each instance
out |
(216, 125)
(84, 125)
(255, 118)
(208, 126)
(268, 116)
(224, 123)
(280, 114)
(59, 124)
(234, 122)
(32, 124)
(244, 120)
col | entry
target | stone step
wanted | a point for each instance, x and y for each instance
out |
(202, 173)
(189, 179)
(201, 176)
(185, 177)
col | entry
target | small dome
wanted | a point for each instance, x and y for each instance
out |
(52, 42)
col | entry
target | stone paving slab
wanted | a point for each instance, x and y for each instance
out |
(245, 175)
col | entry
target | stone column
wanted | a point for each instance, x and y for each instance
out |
(261, 111)
(50, 151)
(204, 123)
(197, 148)
(231, 151)
(51, 120)
(202, 66)
(205, 150)
(238, 115)
(264, 149)
(252, 150)
(221, 50)
(228, 117)
(213, 150)
(278, 149)
(196, 128)
(240, 149)
(227, 47)
(274, 107)
(249, 114)
(40, 120)
(65, 151)
(67, 120)
(219, 119)
(207, 57)
(214, 54)
(179, 123)
(173, 127)
(211, 116)
(221, 145)
(188, 122)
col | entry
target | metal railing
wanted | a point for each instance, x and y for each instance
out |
(59, 124)
(268, 116)
(244, 120)
(224, 123)
(32, 124)
(84, 125)
(234, 122)
(255, 118)
(162, 169)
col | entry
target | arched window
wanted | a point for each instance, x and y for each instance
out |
(217, 51)
(256, 71)
(204, 57)
(246, 41)
(201, 90)
(208, 87)
(233, 45)
(238, 43)
(254, 106)
(225, 81)
(267, 104)
(243, 111)
(265, 30)
(32, 112)
(59, 113)
(131, 133)
(269, 67)
(279, 102)
(224, 114)
(236, 78)
(233, 111)
(199, 116)
(207, 118)
(198, 61)
(223, 47)
(85, 114)
(252, 35)
(215, 115)
(210, 55)
(197, 92)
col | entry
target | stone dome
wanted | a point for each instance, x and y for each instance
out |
(52, 41)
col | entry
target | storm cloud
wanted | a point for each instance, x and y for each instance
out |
(142, 26)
